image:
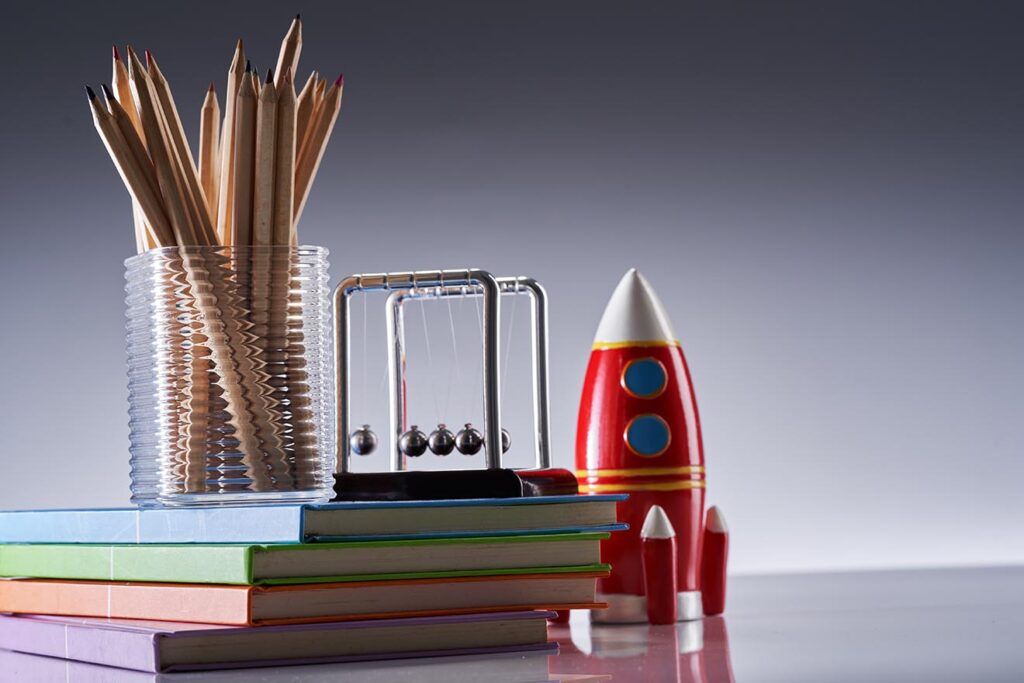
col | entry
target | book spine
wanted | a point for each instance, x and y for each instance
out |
(173, 564)
(271, 524)
(128, 650)
(229, 605)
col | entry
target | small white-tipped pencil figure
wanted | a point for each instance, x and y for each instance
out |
(658, 539)
(714, 562)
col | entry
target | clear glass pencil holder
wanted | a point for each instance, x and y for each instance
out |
(229, 386)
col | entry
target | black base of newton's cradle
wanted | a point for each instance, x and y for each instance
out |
(452, 484)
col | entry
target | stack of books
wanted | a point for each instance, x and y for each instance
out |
(195, 589)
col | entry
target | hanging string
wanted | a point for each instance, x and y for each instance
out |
(508, 341)
(480, 330)
(366, 357)
(454, 374)
(430, 358)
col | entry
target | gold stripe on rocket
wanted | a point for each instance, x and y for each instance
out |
(641, 472)
(659, 486)
(604, 346)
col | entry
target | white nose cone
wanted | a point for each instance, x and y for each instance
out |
(634, 316)
(657, 524)
(716, 521)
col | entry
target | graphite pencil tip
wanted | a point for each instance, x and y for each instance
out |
(298, 17)
(270, 74)
(117, 55)
(248, 67)
(108, 93)
(90, 92)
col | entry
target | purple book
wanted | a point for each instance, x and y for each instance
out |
(530, 667)
(155, 646)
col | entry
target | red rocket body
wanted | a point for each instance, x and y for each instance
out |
(639, 433)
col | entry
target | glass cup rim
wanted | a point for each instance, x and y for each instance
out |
(301, 250)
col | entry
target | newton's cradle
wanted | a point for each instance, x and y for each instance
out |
(408, 441)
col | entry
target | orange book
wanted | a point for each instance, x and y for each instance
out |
(258, 605)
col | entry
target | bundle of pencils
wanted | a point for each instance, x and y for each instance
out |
(242, 368)
(256, 167)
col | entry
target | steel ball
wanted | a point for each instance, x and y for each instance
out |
(413, 443)
(442, 440)
(363, 441)
(468, 440)
(506, 440)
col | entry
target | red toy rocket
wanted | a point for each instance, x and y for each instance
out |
(639, 433)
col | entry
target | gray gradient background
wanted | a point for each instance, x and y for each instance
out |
(827, 196)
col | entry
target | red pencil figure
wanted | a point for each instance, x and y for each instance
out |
(659, 562)
(638, 433)
(713, 565)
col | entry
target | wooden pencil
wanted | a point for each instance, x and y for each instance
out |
(284, 159)
(162, 233)
(131, 173)
(119, 81)
(309, 158)
(159, 152)
(291, 46)
(318, 94)
(268, 335)
(265, 165)
(304, 109)
(185, 166)
(245, 139)
(209, 151)
(225, 194)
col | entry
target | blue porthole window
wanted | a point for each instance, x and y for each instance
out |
(644, 378)
(647, 435)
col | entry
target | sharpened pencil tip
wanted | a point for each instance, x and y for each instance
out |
(248, 67)
(149, 58)
(108, 93)
(270, 75)
(238, 45)
(298, 16)
(89, 91)
(212, 88)
(341, 80)
(117, 55)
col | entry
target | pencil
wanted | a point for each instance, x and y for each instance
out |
(318, 95)
(185, 166)
(209, 151)
(131, 174)
(161, 234)
(119, 80)
(245, 139)
(291, 46)
(313, 151)
(265, 165)
(284, 158)
(225, 194)
(304, 109)
(159, 152)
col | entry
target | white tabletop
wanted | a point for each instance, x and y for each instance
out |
(939, 625)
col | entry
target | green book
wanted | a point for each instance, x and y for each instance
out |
(308, 563)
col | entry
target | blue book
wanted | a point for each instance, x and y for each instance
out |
(318, 522)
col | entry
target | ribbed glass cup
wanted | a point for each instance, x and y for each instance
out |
(229, 390)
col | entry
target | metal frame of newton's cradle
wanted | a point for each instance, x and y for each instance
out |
(438, 284)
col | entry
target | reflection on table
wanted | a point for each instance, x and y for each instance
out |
(688, 652)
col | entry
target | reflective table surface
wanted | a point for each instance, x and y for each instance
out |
(937, 625)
